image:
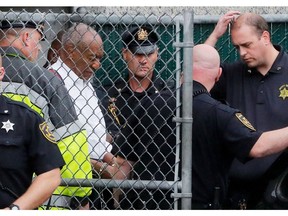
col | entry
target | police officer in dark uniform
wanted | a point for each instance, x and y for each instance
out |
(140, 52)
(220, 133)
(26, 146)
(149, 143)
(120, 99)
(257, 85)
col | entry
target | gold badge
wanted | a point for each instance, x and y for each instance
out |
(113, 109)
(142, 35)
(46, 132)
(283, 91)
(244, 121)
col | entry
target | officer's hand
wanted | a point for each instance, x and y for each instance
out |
(109, 138)
(223, 23)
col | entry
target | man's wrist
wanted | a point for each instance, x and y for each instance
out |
(14, 207)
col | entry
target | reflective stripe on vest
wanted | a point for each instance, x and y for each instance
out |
(74, 149)
(20, 92)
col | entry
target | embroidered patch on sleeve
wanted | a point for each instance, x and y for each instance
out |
(47, 133)
(244, 121)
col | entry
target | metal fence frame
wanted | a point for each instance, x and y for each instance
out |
(113, 19)
(187, 21)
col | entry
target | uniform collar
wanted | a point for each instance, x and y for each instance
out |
(121, 85)
(3, 105)
(151, 88)
(280, 62)
(197, 86)
(12, 52)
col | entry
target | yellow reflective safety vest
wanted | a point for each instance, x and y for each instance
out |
(46, 94)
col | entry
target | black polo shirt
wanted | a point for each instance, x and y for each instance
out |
(262, 99)
(218, 137)
(149, 139)
(26, 147)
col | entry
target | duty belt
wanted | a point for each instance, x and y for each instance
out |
(59, 201)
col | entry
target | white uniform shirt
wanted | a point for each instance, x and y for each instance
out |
(87, 108)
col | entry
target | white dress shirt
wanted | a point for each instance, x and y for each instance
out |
(87, 108)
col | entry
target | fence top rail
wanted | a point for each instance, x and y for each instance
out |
(91, 18)
(112, 183)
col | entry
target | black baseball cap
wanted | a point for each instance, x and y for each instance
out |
(6, 24)
(140, 40)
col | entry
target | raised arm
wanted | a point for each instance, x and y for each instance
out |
(221, 27)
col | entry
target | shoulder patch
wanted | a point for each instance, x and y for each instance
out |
(244, 121)
(47, 133)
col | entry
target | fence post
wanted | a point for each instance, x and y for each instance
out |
(187, 111)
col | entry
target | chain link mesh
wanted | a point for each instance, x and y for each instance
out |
(110, 23)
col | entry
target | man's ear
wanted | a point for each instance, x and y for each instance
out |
(25, 36)
(71, 51)
(219, 74)
(266, 37)
(124, 54)
(2, 73)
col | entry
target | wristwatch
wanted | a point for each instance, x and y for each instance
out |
(14, 207)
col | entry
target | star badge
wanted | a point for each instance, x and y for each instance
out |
(7, 126)
(283, 91)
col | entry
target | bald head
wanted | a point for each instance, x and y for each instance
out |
(206, 65)
(206, 56)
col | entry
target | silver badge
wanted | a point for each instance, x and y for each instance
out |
(7, 126)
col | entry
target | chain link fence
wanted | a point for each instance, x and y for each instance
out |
(178, 29)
